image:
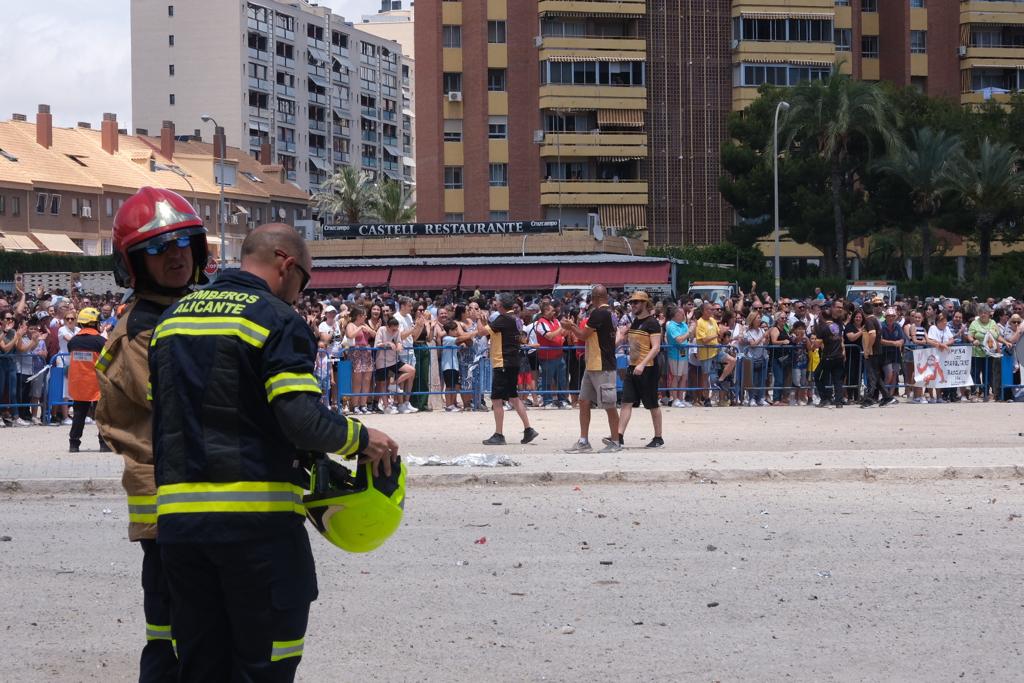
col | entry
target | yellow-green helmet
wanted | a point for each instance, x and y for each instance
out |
(355, 511)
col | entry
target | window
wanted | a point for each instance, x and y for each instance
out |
(453, 177)
(454, 217)
(753, 75)
(496, 80)
(798, 30)
(110, 207)
(170, 99)
(170, 40)
(869, 5)
(495, 31)
(452, 82)
(918, 42)
(499, 175)
(41, 199)
(170, 10)
(917, 4)
(498, 216)
(2, 205)
(453, 130)
(844, 39)
(497, 127)
(55, 204)
(170, 69)
(15, 206)
(451, 36)
(869, 47)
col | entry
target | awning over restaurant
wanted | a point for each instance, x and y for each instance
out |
(509, 277)
(615, 275)
(55, 241)
(425, 277)
(633, 118)
(347, 278)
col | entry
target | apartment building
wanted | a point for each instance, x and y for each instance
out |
(532, 109)
(289, 74)
(61, 187)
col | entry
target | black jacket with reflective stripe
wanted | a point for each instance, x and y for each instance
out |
(218, 359)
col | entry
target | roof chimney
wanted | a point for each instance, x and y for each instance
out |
(197, 135)
(167, 139)
(122, 131)
(265, 157)
(220, 149)
(142, 131)
(19, 117)
(108, 134)
(84, 124)
(44, 126)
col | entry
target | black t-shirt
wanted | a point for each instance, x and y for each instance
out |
(831, 333)
(871, 323)
(640, 332)
(504, 341)
(600, 351)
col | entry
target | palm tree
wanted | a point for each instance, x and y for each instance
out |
(830, 116)
(348, 193)
(991, 186)
(393, 202)
(924, 166)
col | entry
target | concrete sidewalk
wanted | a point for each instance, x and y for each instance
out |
(702, 445)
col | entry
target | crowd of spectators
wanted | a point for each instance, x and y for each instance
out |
(421, 352)
(403, 354)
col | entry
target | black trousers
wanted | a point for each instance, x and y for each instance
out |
(830, 380)
(158, 663)
(81, 409)
(239, 610)
(875, 382)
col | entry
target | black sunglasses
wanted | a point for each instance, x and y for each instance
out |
(157, 249)
(305, 273)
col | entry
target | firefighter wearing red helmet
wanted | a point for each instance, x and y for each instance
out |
(159, 252)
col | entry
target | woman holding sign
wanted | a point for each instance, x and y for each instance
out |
(984, 335)
(941, 336)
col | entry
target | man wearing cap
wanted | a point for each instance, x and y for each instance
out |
(641, 382)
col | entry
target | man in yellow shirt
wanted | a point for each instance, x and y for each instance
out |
(706, 337)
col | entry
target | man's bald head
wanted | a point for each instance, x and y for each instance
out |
(262, 243)
(599, 294)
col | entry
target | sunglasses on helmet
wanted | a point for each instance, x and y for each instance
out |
(157, 249)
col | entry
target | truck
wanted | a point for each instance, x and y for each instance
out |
(865, 290)
(714, 291)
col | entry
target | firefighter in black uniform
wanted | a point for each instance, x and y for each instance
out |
(235, 406)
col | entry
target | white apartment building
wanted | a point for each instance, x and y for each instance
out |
(288, 74)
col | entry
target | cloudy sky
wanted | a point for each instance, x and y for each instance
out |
(75, 55)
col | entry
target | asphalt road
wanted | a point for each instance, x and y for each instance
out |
(882, 581)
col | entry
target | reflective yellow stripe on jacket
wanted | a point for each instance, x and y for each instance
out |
(285, 382)
(142, 509)
(158, 632)
(237, 326)
(351, 446)
(103, 362)
(239, 496)
(282, 649)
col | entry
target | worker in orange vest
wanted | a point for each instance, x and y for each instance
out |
(83, 387)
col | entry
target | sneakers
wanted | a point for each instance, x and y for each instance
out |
(407, 408)
(453, 409)
(90, 421)
(610, 446)
(67, 423)
(392, 411)
(36, 421)
(656, 442)
(22, 423)
(761, 403)
(72, 449)
(581, 446)
(825, 404)
(529, 434)
(678, 404)
(752, 403)
(868, 404)
(891, 401)
(495, 440)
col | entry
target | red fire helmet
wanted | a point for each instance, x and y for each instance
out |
(152, 216)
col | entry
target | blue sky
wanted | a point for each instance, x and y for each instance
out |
(75, 55)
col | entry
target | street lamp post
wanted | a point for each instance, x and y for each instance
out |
(154, 166)
(217, 130)
(782, 105)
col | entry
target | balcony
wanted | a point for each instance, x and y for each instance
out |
(287, 147)
(567, 145)
(259, 113)
(284, 33)
(290, 175)
(261, 26)
(1007, 12)
(784, 51)
(369, 162)
(370, 136)
(313, 42)
(616, 8)
(286, 62)
(317, 99)
(339, 50)
(597, 48)
(370, 112)
(285, 117)
(390, 140)
(258, 55)
(391, 166)
(592, 192)
(259, 84)
(318, 71)
(342, 157)
(318, 152)
(389, 115)
(317, 125)
(255, 141)
(593, 97)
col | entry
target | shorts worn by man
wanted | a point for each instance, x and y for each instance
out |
(236, 409)
(640, 385)
(598, 386)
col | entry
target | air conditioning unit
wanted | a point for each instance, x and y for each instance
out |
(86, 212)
(961, 51)
(538, 41)
(538, 136)
(455, 96)
(734, 44)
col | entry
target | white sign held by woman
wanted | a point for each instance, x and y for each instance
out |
(935, 369)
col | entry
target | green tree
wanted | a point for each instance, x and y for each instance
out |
(393, 202)
(990, 186)
(924, 167)
(841, 121)
(347, 194)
